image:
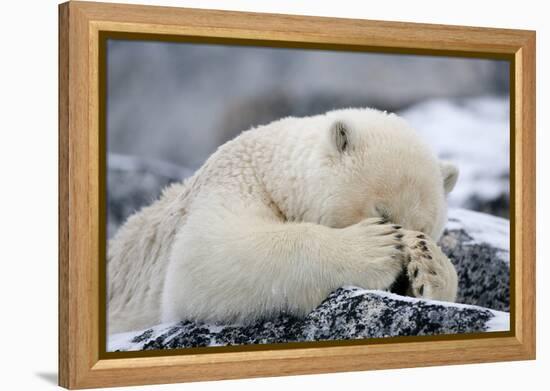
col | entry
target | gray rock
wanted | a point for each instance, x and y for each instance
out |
(133, 183)
(478, 246)
(348, 313)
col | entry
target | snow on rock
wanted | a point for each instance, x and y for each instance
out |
(347, 313)
(479, 247)
(482, 229)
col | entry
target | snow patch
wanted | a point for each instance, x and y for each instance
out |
(482, 229)
(474, 134)
(500, 322)
(119, 162)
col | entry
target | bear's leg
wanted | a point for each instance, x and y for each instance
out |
(237, 267)
(430, 272)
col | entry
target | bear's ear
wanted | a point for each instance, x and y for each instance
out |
(340, 136)
(450, 176)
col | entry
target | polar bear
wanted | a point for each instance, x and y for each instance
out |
(281, 216)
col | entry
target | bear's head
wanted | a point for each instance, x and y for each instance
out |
(373, 164)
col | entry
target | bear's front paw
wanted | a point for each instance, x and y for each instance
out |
(371, 253)
(430, 272)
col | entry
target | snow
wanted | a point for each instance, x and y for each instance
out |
(501, 322)
(120, 162)
(494, 231)
(124, 341)
(475, 135)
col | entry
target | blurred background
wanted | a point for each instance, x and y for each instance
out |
(170, 105)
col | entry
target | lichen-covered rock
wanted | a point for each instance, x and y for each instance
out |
(347, 313)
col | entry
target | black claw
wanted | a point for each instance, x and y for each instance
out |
(429, 257)
(423, 242)
(397, 227)
(421, 236)
(421, 290)
(433, 272)
(399, 236)
(399, 246)
(415, 274)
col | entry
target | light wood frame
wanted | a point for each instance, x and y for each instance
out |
(81, 166)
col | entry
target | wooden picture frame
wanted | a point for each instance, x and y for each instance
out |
(82, 25)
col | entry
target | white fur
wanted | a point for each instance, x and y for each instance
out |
(278, 218)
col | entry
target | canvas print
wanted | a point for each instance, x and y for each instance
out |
(262, 195)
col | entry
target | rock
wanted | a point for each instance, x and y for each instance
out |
(348, 313)
(497, 205)
(133, 183)
(478, 245)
